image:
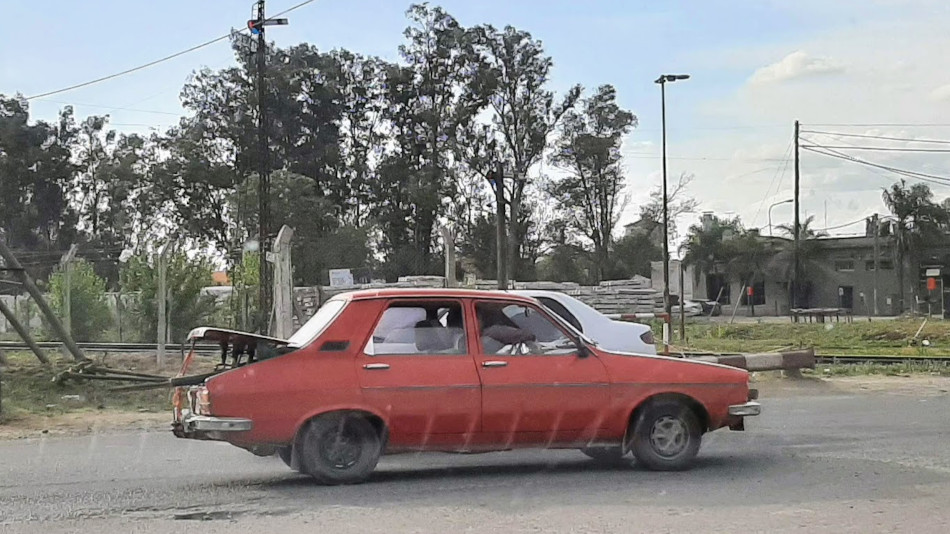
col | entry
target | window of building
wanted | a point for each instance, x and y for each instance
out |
(844, 265)
(419, 328)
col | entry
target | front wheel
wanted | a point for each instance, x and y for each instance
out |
(340, 448)
(666, 436)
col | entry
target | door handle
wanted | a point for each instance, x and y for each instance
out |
(376, 366)
(495, 363)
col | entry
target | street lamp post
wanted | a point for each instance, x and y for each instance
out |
(662, 80)
(789, 201)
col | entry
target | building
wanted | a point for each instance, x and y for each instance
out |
(841, 273)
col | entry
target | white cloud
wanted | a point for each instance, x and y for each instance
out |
(798, 64)
(941, 94)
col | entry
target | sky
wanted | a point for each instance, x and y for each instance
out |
(866, 67)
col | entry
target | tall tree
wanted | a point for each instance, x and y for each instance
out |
(782, 263)
(588, 149)
(919, 223)
(678, 203)
(514, 72)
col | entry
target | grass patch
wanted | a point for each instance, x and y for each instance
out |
(28, 389)
(863, 369)
(883, 338)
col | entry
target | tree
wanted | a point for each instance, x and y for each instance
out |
(782, 264)
(678, 204)
(919, 223)
(90, 314)
(513, 75)
(705, 246)
(35, 174)
(588, 148)
(632, 255)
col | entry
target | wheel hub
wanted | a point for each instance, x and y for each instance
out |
(669, 436)
(341, 450)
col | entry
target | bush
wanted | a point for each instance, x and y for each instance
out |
(186, 306)
(90, 312)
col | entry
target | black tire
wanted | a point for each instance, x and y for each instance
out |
(666, 436)
(605, 454)
(287, 455)
(340, 448)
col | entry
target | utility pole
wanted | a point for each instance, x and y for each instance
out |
(256, 25)
(876, 224)
(24, 332)
(796, 277)
(26, 280)
(67, 263)
(501, 235)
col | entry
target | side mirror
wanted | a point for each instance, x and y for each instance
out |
(583, 351)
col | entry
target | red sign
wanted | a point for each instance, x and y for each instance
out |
(931, 283)
(749, 291)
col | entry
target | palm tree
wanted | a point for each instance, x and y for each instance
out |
(782, 265)
(919, 221)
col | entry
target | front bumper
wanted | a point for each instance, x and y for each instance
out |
(745, 410)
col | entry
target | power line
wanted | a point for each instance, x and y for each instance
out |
(885, 137)
(882, 149)
(862, 219)
(885, 124)
(940, 180)
(157, 61)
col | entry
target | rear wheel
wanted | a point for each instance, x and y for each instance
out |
(666, 436)
(340, 448)
(604, 454)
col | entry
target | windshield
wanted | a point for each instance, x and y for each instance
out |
(318, 323)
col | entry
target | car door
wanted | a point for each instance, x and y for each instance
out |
(416, 369)
(541, 386)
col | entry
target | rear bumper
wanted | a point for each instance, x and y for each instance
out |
(194, 426)
(745, 410)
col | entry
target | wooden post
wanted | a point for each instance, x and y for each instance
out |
(448, 240)
(67, 264)
(23, 332)
(13, 264)
(283, 325)
(160, 296)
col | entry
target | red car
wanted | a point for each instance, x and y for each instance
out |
(386, 371)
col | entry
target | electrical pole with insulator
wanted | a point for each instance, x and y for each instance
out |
(257, 26)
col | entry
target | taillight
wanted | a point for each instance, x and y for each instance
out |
(647, 337)
(202, 401)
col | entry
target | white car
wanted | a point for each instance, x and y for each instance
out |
(610, 335)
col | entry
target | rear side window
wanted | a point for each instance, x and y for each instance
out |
(562, 312)
(419, 328)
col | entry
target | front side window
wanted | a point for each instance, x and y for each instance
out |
(419, 328)
(519, 329)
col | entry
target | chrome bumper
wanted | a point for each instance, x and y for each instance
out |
(745, 410)
(206, 423)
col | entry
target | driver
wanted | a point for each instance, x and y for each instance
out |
(498, 331)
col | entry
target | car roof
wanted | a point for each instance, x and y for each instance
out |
(431, 292)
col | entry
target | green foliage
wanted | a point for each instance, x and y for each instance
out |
(632, 255)
(588, 149)
(186, 306)
(91, 315)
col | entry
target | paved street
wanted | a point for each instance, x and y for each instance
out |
(816, 462)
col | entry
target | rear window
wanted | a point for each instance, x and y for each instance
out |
(317, 324)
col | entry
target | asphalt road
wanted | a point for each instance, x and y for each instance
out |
(812, 463)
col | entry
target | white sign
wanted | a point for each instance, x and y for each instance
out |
(340, 277)
(933, 272)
